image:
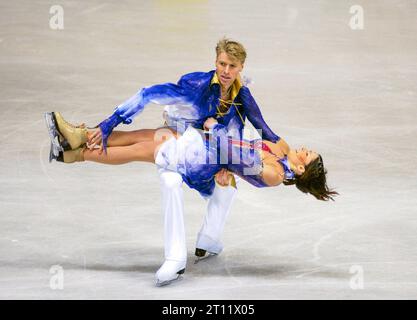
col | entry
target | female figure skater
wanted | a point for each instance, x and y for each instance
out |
(219, 93)
(197, 157)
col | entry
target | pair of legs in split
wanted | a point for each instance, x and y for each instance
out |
(143, 145)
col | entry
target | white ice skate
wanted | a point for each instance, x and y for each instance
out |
(203, 255)
(169, 272)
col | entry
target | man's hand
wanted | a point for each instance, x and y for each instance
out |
(209, 123)
(223, 177)
(95, 139)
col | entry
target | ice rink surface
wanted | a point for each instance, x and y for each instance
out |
(89, 231)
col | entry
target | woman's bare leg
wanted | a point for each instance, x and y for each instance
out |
(142, 151)
(127, 138)
(128, 146)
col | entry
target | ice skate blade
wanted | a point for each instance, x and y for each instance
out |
(167, 282)
(53, 134)
(53, 156)
(209, 255)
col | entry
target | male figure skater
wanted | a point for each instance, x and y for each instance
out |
(196, 97)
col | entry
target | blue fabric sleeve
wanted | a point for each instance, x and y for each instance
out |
(254, 115)
(165, 94)
(106, 128)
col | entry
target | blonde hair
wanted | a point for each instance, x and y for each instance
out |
(232, 48)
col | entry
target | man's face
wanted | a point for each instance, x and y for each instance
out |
(227, 69)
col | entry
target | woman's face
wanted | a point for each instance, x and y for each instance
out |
(301, 158)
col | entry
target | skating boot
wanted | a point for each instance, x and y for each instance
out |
(64, 135)
(169, 272)
(69, 156)
(203, 254)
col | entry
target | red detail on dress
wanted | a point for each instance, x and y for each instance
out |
(258, 145)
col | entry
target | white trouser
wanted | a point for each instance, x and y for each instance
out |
(218, 208)
(172, 209)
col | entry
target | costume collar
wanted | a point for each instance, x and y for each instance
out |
(237, 84)
(289, 174)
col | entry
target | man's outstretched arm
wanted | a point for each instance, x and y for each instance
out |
(164, 94)
(254, 115)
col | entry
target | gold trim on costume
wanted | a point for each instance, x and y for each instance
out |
(237, 84)
(235, 88)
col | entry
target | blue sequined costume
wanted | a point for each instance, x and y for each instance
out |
(198, 156)
(190, 102)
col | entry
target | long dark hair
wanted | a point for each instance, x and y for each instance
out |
(313, 181)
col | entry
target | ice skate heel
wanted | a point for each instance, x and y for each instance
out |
(200, 252)
(69, 156)
(203, 254)
(74, 136)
